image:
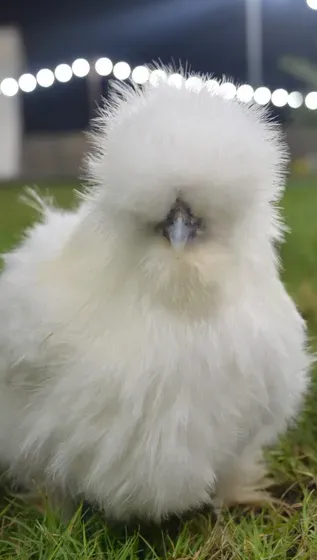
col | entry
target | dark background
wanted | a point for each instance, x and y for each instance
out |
(209, 34)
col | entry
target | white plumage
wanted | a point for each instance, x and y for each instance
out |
(145, 362)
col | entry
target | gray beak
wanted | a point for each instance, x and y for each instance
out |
(178, 232)
(180, 226)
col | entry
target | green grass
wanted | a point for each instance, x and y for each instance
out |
(283, 531)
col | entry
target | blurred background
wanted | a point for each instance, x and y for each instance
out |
(56, 60)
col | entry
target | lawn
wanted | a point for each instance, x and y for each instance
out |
(281, 532)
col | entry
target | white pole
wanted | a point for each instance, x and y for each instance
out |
(254, 40)
(94, 92)
(11, 124)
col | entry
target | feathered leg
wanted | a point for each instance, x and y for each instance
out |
(246, 482)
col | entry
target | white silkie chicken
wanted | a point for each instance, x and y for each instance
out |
(148, 349)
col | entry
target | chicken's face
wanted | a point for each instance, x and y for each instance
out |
(186, 253)
(186, 184)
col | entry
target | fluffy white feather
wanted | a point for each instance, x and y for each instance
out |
(144, 379)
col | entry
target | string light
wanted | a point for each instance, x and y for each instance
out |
(63, 73)
(103, 66)
(311, 100)
(141, 74)
(175, 80)
(295, 99)
(121, 70)
(212, 85)
(45, 78)
(279, 97)
(195, 83)
(245, 93)
(80, 67)
(228, 90)
(157, 76)
(312, 4)
(27, 83)
(9, 87)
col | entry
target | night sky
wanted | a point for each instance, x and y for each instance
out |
(208, 34)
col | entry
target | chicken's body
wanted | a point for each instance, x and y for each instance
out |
(143, 387)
